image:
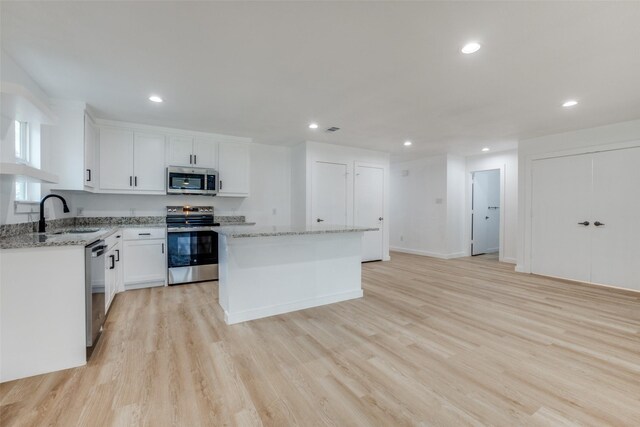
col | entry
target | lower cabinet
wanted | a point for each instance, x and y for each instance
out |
(113, 274)
(144, 257)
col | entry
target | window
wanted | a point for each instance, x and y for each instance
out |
(22, 189)
(22, 141)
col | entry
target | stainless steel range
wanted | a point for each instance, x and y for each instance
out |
(192, 244)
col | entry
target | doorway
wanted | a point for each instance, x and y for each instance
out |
(369, 209)
(485, 212)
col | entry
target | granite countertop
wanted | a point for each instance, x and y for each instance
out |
(253, 231)
(36, 240)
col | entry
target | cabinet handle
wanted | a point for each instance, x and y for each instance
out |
(118, 253)
(89, 178)
(135, 180)
(190, 159)
(163, 248)
(221, 184)
(598, 223)
(319, 220)
(585, 223)
(144, 234)
(113, 262)
(380, 219)
(130, 181)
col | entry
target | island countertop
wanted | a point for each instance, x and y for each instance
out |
(287, 230)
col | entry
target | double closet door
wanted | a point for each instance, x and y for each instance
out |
(586, 218)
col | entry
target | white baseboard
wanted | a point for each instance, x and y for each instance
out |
(429, 254)
(510, 260)
(520, 269)
(259, 313)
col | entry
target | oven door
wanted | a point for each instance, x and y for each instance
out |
(192, 256)
(185, 182)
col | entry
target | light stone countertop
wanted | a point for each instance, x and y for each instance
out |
(262, 231)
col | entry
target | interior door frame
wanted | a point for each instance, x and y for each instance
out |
(384, 228)
(469, 213)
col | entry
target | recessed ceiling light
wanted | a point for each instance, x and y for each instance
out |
(407, 143)
(471, 47)
(313, 126)
(485, 149)
(155, 98)
(570, 103)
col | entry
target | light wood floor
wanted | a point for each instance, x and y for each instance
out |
(433, 342)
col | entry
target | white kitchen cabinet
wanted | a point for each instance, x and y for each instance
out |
(131, 161)
(180, 151)
(233, 169)
(90, 151)
(116, 159)
(148, 162)
(187, 151)
(144, 258)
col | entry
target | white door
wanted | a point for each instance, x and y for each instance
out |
(149, 171)
(329, 193)
(485, 232)
(369, 209)
(116, 159)
(561, 217)
(616, 197)
(180, 151)
(233, 169)
(205, 153)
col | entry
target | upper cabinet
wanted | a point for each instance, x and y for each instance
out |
(233, 160)
(196, 152)
(131, 161)
(91, 136)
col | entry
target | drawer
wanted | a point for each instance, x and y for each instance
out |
(113, 239)
(144, 233)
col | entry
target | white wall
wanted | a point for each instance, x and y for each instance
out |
(418, 206)
(455, 206)
(507, 162)
(11, 72)
(269, 202)
(625, 134)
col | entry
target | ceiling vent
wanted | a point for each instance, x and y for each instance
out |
(333, 129)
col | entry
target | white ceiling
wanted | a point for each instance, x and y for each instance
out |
(383, 72)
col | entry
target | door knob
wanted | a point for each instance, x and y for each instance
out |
(486, 217)
(598, 223)
(585, 223)
(319, 220)
(380, 219)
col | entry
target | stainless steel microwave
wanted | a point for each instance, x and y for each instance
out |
(181, 180)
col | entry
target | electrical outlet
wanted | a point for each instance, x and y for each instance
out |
(438, 201)
(79, 211)
(402, 238)
(274, 211)
(132, 212)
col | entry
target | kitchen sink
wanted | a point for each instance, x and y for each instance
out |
(76, 231)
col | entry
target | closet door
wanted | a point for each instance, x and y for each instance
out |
(616, 195)
(561, 245)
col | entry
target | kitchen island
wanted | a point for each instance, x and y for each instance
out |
(264, 271)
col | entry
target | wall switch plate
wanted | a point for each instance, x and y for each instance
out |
(274, 211)
(438, 201)
(402, 238)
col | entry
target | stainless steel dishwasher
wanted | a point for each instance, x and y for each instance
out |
(94, 290)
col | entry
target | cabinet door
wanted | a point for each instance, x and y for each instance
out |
(561, 246)
(90, 141)
(149, 170)
(116, 159)
(180, 151)
(205, 153)
(233, 167)
(145, 262)
(616, 205)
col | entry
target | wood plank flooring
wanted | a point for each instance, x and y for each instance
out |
(433, 342)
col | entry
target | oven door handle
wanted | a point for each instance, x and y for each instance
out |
(189, 229)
